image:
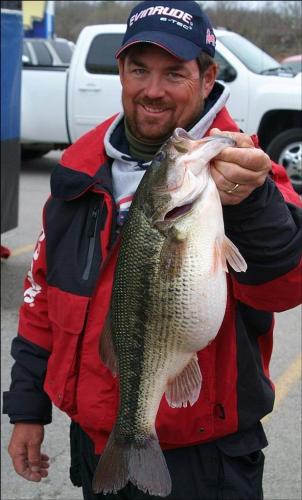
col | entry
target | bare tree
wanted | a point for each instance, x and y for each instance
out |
(276, 27)
(72, 16)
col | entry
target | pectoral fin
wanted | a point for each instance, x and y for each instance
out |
(107, 354)
(233, 256)
(186, 386)
(225, 251)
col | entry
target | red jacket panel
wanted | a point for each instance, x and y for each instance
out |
(70, 296)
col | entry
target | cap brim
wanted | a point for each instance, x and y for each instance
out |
(177, 46)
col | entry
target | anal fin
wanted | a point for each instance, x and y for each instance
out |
(186, 386)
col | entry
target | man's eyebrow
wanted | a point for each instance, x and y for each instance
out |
(173, 67)
(136, 61)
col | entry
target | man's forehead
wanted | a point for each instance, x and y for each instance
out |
(139, 51)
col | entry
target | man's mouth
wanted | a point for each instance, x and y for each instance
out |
(154, 109)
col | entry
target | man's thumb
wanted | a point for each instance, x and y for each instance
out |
(215, 131)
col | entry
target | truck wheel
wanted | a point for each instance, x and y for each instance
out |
(286, 149)
(31, 154)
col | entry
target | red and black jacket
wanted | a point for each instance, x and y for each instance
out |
(67, 295)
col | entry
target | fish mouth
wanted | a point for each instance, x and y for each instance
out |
(178, 212)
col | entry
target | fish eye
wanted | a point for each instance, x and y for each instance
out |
(160, 156)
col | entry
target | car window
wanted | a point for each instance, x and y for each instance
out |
(43, 55)
(294, 65)
(27, 53)
(249, 54)
(63, 50)
(226, 72)
(101, 54)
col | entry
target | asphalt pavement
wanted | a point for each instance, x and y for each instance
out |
(282, 479)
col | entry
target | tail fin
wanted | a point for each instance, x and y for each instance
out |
(143, 465)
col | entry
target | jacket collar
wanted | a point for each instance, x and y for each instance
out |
(86, 164)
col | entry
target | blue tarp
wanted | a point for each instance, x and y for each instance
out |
(11, 64)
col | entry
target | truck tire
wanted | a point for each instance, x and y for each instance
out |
(31, 154)
(286, 149)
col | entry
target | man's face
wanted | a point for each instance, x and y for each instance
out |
(160, 92)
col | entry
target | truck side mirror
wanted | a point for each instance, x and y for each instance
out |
(227, 74)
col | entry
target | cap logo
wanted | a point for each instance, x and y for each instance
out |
(160, 10)
(210, 38)
(180, 27)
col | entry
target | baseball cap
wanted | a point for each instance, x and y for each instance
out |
(181, 28)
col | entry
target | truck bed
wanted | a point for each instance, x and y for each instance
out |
(43, 105)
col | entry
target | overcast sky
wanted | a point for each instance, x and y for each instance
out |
(256, 4)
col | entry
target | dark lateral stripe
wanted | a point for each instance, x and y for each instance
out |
(131, 303)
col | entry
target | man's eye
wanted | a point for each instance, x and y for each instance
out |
(139, 71)
(175, 76)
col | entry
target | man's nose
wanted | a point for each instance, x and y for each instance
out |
(155, 88)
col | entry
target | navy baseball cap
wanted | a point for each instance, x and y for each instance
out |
(181, 28)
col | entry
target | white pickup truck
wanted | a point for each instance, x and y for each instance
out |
(59, 104)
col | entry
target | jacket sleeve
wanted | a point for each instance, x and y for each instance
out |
(267, 229)
(26, 400)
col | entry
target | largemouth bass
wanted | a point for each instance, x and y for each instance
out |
(168, 302)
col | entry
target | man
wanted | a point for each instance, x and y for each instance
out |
(213, 449)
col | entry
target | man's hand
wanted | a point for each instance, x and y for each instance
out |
(238, 171)
(25, 451)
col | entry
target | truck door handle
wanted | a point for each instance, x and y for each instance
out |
(90, 87)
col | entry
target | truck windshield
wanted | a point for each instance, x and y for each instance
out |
(249, 54)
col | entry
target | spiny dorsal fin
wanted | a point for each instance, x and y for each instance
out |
(186, 386)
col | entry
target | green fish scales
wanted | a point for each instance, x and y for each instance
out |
(168, 302)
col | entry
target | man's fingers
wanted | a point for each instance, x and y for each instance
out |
(242, 140)
(36, 460)
(25, 451)
(20, 463)
(248, 158)
(244, 154)
(235, 174)
(22, 468)
(238, 171)
(32, 476)
(44, 461)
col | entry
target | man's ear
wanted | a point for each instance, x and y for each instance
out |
(121, 67)
(208, 79)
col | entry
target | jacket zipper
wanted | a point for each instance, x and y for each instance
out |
(92, 239)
